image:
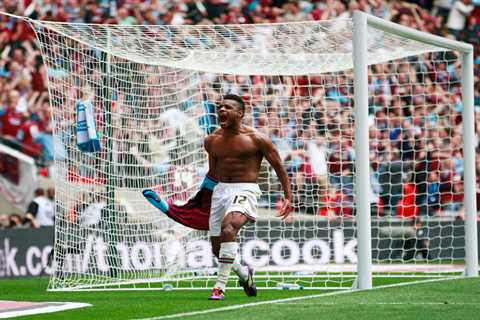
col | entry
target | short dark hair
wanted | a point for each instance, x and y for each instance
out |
(39, 192)
(237, 98)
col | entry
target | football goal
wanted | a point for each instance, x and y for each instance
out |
(374, 122)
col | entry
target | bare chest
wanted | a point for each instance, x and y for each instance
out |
(239, 147)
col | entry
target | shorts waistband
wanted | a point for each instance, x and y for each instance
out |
(246, 185)
(238, 183)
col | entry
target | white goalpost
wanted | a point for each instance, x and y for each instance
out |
(366, 114)
(360, 56)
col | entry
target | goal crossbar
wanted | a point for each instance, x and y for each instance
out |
(417, 35)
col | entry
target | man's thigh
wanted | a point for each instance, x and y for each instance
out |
(217, 213)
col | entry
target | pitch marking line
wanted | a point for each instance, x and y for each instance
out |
(38, 309)
(286, 300)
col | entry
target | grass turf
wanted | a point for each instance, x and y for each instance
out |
(453, 299)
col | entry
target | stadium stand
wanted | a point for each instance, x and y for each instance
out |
(24, 109)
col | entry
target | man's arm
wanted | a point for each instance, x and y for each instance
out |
(32, 209)
(271, 154)
(464, 9)
(211, 161)
(32, 213)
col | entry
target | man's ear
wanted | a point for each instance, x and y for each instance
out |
(242, 112)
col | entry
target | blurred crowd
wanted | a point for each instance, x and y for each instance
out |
(40, 212)
(416, 154)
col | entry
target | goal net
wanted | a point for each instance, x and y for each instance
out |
(153, 90)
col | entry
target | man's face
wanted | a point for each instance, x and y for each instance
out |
(51, 194)
(229, 113)
(14, 97)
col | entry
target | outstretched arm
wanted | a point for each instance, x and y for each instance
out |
(271, 154)
(211, 160)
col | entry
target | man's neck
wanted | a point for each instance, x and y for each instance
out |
(232, 130)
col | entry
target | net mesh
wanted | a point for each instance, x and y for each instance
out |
(154, 89)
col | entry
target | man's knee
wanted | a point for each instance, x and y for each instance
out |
(231, 225)
(229, 231)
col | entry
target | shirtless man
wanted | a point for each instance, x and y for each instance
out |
(235, 153)
(227, 199)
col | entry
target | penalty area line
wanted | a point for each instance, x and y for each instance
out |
(285, 300)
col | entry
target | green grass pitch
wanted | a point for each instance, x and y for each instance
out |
(451, 299)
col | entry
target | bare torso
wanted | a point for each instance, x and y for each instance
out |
(234, 157)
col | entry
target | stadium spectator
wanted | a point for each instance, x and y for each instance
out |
(11, 117)
(4, 221)
(441, 8)
(28, 134)
(308, 132)
(417, 245)
(406, 207)
(390, 181)
(457, 18)
(41, 209)
(330, 205)
(15, 221)
(433, 193)
(376, 205)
